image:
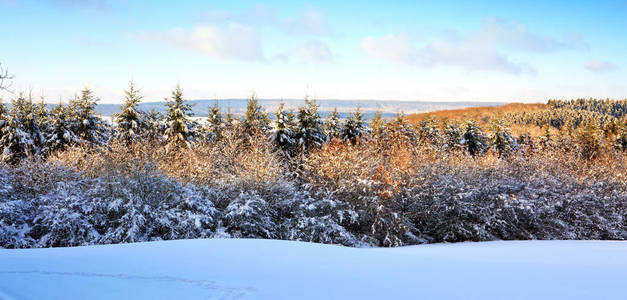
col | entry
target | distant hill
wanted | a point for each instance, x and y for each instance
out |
(368, 107)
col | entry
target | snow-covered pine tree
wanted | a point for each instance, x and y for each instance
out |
(453, 135)
(377, 124)
(42, 115)
(178, 133)
(502, 139)
(256, 120)
(88, 126)
(215, 123)
(589, 140)
(309, 133)
(475, 139)
(60, 131)
(333, 125)
(20, 135)
(155, 125)
(428, 129)
(283, 135)
(129, 121)
(621, 136)
(354, 126)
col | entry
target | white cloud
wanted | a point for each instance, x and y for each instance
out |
(398, 48)
(232, 42)
(476, 51)
(314, 52)
(516, 36)
(313, 21)
(600, 66)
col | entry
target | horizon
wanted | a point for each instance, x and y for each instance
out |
(492, 51)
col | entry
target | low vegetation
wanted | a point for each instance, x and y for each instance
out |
(68, 178)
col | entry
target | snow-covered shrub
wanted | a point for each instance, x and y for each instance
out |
(319, 218)
(249, 216)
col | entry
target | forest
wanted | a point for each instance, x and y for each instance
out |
(523, 171)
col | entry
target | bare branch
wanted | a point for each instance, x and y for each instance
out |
(4, 79)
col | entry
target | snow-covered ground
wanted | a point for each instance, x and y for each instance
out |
(270, 269)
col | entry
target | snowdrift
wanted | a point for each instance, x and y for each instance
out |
(272, 269)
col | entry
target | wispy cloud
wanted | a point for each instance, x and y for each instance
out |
(600, 66)
(227, 36)
(231, 42)
(311, 52)
(311, 21)
(482, 50)
(89, 5)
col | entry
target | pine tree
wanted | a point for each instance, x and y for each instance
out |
(333, 125)
(429, 131)
(354, 126)
(502, 139)
(215, 123)
(309, 133)
(589, 140)
(20, 136)
(155, 125)
(89, 127)
(61, 129)
(284, 133)
(129, 120)
(475, 139)
(453, 135)
(178, 131)
(256, 120)
(377, 124)
(621, 136)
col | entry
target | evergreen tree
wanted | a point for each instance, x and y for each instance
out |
(429, 130)
(42, 115)
(475, 139)
(502, 139)
(256, 119)
(333, 124)
(377, 124)
(155, 125)
(589, 140)
(20, 134)
(354, 126)
(61, 129)
(284, 134)
(178, 131)
(88, 126)
(215, 123)
(453, 136)
(621, 136)
(129, 120)
(309, 133)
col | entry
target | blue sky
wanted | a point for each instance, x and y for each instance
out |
(396, 50)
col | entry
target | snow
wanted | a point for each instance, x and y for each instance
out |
(271, 269)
